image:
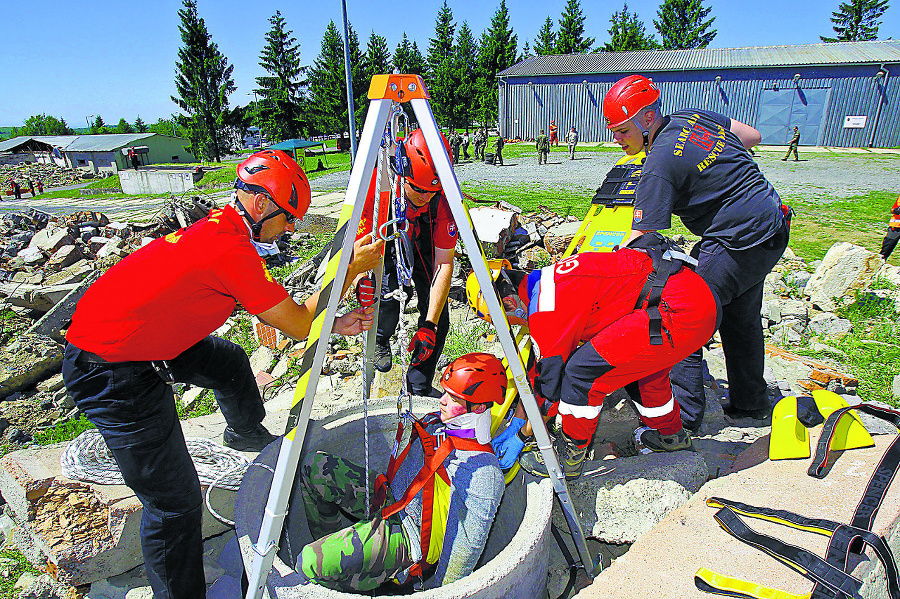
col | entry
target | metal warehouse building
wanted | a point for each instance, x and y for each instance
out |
(841, 94)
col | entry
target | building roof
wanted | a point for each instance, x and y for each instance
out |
(837, 53)
(79, 143)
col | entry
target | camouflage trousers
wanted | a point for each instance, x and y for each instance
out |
(361, 556)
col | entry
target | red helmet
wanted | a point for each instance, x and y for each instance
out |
(275, 174)
(424, 175)
(626, 97)
(476, 378)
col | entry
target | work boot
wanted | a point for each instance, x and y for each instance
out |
(650, 440)
(570, 455)
(253, 439)
(384, 359)
(732, 413)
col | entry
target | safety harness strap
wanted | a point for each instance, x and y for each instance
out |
(807, 563)
(618, 186)
(727, 586)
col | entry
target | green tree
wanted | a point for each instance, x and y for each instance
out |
(358, 77)
(627, 32)
(165, 127)
(281, 89)
(466, 52)
(570, 38)
(327, 88)
(857, 20)
(545, 42)
(124, 126)
(497, 51)
(378, 56)
(98, 126)
(681, 24)
(407, 57)
(140, 126)
(203, 82)
(43, 124)
(526, 53)
(442, 74)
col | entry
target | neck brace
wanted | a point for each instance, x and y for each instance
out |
(478, 425)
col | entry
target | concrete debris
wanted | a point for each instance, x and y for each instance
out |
(495, 227)
(50, 175)
(27, 360)
(845, 268)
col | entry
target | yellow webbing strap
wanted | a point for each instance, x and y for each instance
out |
(728, 586)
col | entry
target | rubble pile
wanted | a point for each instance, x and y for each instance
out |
(51, 175)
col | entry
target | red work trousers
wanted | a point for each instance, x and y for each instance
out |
(621, 353)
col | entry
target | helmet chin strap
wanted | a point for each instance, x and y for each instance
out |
(255, 226)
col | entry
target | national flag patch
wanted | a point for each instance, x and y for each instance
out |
(638, 214)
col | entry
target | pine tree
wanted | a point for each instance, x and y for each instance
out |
(378, 56)
(327, 87)
(627, 32)
(441, 61)
(140, 126)
(124, 126)
(497, 51)
(203, 82)
(681, 25)
(857, 20)
(526, 53)
(280, 110)
(466, 52)
(570, 38)
(98, 126)
(358, 77)
(545, 42)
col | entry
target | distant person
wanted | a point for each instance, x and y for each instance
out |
(893, 233)
(480, 142)
(31, 187)
(465, 145)
(498, 150)
(572, 141)
(543, 147)
(455, 143)
(795, 142)
(553, 132)
(40, 186)
(17, 189)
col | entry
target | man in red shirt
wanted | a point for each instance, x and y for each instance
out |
(147, 322)
(893, 233)
(432, 233)
(603, 321)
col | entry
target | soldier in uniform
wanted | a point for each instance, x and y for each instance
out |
(543, 147)
(498, 150)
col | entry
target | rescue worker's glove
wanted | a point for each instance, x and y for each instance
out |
(422, 343)
(365, 291)
(508, 444)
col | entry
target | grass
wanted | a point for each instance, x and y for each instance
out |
(64, 431)
(13, 564)
(242, 334)
(204, 406)
(465, 338)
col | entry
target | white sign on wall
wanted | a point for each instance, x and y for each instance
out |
(854, 122)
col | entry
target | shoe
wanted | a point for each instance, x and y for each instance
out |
(254, 439)
(651, 439)
(784, 159)
(384, 359)
(737, 414)
(571, 458)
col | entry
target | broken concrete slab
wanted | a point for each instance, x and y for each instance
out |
(59, 315)
(51, 239)
(689, 538)
(65, 256)
(559, 237)
(495, 228)
(74, 273)
(845, 268)
(27, 360)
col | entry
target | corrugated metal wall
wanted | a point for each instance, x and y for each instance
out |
(528, 103)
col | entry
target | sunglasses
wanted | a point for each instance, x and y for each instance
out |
(419, 189)
(249, 188)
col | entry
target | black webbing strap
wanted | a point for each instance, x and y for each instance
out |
(664, 265)
(805, 562)
(818, 467)
(618, 186)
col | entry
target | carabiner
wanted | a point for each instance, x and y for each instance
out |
(397, 221)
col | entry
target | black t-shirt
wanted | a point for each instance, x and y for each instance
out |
(698, 169)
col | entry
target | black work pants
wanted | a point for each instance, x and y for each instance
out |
(889, 242)
(418, 378)
(134, 410)
(736, 277)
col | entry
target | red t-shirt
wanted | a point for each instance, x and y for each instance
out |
(170, 294)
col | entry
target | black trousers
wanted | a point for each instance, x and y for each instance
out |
(889, 242)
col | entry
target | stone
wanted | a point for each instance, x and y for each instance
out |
(494, 227)
(895, 386)
(34, 358)
(64, 257)
(793, 309)
(261, 360)
(74, 273)
(96, 242)
(845, 268)
(113, 247)
(57, 316)
(54, 383)
(117, 229)
(30, 255)
(784, 334)
(51, 239)
(559, 237)
(829, 324)
(771, 309)
(620, 499)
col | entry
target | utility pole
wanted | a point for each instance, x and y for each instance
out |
(351, 116)
(87, 120)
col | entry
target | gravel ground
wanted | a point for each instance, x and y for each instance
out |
(833, 176)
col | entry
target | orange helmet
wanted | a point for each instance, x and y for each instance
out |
(424, 175)
(626, 97)
(275, 174)
(476, 378)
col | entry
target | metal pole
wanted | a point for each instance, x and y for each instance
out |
(351, 116)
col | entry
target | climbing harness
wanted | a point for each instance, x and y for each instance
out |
(830, 575)
(667, 259)
(432, 480)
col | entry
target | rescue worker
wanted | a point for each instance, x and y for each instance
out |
(147, 323)
(433, 235)
(893, 233)
(608, 302)
(394, 543)
(543, 147)
(553, 133)
(698, 167)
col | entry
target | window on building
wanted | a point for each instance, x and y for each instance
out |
(174, 158)
(82, 162)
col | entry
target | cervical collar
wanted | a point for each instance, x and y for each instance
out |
(471, 424)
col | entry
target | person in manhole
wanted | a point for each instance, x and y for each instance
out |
(432, 235)
(603, 321)
(146, 324)
(698, 167)
(432, 510)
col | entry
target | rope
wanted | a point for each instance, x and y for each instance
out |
(87, 458)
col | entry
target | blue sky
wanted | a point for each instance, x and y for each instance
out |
(76, 59)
